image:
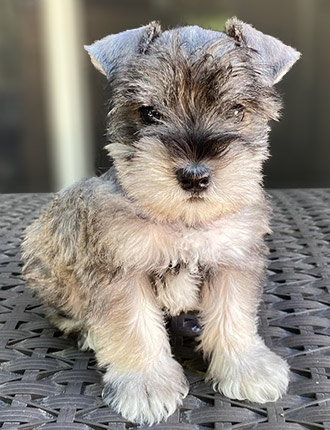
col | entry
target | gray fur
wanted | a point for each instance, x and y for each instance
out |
(111, 256)
(116, 48)
(277, 57)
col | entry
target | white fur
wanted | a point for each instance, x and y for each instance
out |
(148, 396)
(241, 366)
(257, 374)
(143, 381)
(226, 241)
(88, 341)
(179, 292)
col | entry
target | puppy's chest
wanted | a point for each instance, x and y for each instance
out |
(155, 247)
(196, 249)
(178, 286)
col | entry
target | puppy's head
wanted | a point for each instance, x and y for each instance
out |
(189, 113)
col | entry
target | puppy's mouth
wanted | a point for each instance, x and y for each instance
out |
(195, 197)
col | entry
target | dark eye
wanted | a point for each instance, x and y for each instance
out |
(236, 113)
(149, 115)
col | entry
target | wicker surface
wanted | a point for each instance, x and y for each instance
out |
(47, 383)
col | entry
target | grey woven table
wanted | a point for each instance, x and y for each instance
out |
(46, 383)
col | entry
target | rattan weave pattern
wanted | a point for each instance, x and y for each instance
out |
(46, 383)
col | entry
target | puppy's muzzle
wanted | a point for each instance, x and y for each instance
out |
(193, 178)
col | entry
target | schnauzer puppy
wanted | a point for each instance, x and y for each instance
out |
(177, 224)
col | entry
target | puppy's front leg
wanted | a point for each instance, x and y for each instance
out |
(241, 365)
(143, 382)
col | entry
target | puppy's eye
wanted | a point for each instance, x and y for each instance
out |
(236, 113)
(149, 115)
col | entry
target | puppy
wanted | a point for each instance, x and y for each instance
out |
(177, 224)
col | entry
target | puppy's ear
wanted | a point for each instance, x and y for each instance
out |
(275, 55)
(107, 53)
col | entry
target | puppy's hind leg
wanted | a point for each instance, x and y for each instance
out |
(64, 322)
(143, 382)
(71, 327)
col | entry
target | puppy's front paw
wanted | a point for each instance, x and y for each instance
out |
(260, 376)
(147, 397)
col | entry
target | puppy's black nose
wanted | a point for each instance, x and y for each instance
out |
(194, 178)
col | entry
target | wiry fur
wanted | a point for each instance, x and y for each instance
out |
(112, 255)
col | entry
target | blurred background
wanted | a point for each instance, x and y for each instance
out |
(53, 102)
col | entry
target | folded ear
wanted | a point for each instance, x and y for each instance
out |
(276, 56)
(107, 53)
